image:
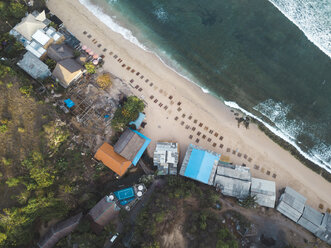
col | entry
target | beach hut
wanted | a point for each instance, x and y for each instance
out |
(264, 191)
(200, 164)
(291, 204)
(233, 180)
(166, 158)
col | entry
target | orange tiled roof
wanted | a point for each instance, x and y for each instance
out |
(112, 160)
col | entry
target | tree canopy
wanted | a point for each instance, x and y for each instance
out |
(127, 113)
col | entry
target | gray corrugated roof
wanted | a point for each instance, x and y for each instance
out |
(232, 187)
(129, 144)
(60, 52)
(265, 192)
(311, 219)
(288, 211)
(103, 212)
(34, 66)
(324, 233)
(71, 65)
(234, 171)
(291, 204)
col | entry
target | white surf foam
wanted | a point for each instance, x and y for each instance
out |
(127, 34)
(106, 19)
(314, 157)
(312, 17)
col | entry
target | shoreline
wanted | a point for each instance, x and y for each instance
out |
(204, 107)
(127, 34)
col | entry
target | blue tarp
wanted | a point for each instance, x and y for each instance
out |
(139, 120)
(69, 103)
(124, 194)
(142, 149)
(200, 165)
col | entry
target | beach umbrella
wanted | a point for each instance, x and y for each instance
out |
(96, 56)
(91, 53)
(95, 62)
(84, 47)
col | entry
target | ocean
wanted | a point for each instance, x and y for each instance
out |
(270, 59)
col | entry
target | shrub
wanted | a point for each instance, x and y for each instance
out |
(104, 80)
(9, 85)
(26, 90)
(90, 68)
(50, 63)
(129, 112)
(17, 9)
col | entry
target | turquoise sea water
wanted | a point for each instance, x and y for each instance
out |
(247, 52)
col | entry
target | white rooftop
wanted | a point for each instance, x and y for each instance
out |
(41, 37)
(35, 48)
(166, 158)
(53, 33)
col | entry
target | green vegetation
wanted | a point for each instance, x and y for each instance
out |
(104, 81)
(26, 90)
(127, 113)
(249, 202)
(17, 10)
(84, 237)
(41, 180)
(185, 205)
(51, 63)
(90, 68)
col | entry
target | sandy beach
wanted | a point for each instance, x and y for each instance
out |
(177, 110)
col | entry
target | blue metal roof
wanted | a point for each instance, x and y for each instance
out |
(200, 165)
(142, 149)
(139, 120)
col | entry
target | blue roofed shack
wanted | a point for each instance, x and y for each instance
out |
(139, 120)
(200, 164)
(131, 145)
(69, 103)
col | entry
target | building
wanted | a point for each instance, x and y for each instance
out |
(233, 180)
(112, 160)
(265, 192)
(60, 52)
(42, 38)
(67, 71)
(311, 219)
(291, 204)
(59, 231)
(24, 30)
(56, 36)
(199, 164)
(33, 66)
(324, 232)
(36, 48)
(104, 211)
(131, 145)
(166, 158)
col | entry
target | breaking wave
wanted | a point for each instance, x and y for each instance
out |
(312, 17)
(288, 130)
